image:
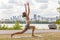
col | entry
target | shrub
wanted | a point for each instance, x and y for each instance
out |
(17, 26)
(58, 22)
(14, 27)
(4, 27)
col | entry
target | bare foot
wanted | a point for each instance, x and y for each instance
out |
(34, 36)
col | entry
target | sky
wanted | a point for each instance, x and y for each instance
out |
(45, 8)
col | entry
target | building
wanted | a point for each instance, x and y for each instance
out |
(35, 17)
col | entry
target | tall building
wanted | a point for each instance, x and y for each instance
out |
(19, 17)
(56, 17)
(14, 18)
(35, 17)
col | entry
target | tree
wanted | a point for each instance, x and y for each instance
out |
(17, 26)
(58, 22)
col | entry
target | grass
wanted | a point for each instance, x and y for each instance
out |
(45, 36)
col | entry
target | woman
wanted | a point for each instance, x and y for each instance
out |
(26, 14)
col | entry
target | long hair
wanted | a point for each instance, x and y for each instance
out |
(24, 14)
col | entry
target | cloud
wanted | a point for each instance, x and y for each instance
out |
(41, 1)
(44, 6)
(16, 7)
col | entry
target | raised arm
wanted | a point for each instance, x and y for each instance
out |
(28, 9)
(25, 8)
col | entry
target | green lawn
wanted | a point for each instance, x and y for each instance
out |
(45, 36)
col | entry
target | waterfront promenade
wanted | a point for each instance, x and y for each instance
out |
(27, 32)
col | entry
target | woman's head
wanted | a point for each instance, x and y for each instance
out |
(24, 14)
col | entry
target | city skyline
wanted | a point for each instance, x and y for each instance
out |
(35, 17)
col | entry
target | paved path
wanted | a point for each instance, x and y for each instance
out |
(29, 31)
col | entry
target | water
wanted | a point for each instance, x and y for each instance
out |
(38, 26)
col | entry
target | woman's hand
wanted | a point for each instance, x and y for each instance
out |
(27, 3)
